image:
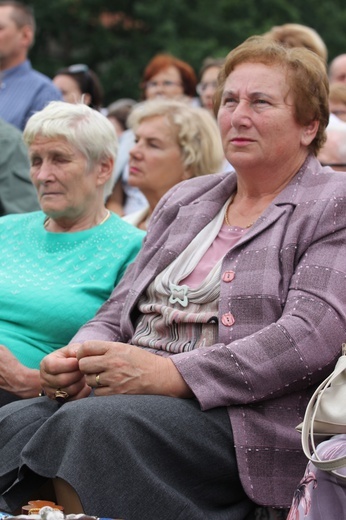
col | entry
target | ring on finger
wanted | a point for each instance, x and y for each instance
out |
(98, 382)
(61, 396)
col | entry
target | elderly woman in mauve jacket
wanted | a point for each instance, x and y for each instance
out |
(182, 395)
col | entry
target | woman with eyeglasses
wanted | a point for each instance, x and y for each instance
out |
(169, 77)
(78, 83)
(206, 88)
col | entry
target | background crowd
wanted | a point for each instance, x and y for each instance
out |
(109, 36)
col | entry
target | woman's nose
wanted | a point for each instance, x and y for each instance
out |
(44, 172)
(241, 114)
(135, 150)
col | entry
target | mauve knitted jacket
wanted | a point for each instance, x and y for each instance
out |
(288, 301)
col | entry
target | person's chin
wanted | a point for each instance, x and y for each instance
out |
(241, 158)
(52, 209)
(134, 180)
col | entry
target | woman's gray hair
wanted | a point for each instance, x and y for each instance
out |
(196, 132)
(86, 129)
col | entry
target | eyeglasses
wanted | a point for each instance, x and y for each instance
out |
(202, 87)
(163, 84)
(79, 67)
(335, 165)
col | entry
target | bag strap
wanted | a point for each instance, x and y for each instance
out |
(308, 427)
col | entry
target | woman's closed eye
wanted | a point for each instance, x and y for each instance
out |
(154, 143)
(61, 159)
(35, 161)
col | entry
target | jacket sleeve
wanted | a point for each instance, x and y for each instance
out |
(18, 195)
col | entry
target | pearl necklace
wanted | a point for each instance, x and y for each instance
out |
(108, 214)
(228, 222)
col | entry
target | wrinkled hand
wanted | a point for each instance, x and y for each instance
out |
(17, 378)
(126, 369)
(60, 370)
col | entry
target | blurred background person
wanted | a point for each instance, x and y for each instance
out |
(337, 69)
(173, 142)
(118, 113)
(17, 193)
(23, 90)
(206, 90)
(169, 77)
(60, 264)
(207, 85)
(337, 100)
(77, 83)
(165, 76)
(298, 35)
(333, 152)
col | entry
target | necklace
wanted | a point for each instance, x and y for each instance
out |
(108, 214)
(228, 222)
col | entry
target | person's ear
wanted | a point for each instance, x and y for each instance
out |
(86, 98)
(188, 173)
(309, 132)
(27, 36)
(105, 170)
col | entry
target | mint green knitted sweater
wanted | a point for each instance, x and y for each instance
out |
(52, 283)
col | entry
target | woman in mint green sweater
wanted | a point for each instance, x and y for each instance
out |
(58, 265)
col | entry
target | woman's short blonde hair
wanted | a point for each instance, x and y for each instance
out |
(337, 93)
(86, 129)
(297, 35)
(194, 129)
(306, 77)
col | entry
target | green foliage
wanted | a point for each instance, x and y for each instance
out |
(80, 31)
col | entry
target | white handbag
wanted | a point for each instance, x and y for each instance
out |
(325, 416)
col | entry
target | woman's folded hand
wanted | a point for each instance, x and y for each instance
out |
(60, 371)
(119, 368)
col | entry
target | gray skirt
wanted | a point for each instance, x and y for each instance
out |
(130, 457)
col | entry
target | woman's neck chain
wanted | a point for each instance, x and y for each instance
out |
(228, 222)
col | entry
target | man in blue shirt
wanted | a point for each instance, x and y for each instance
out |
(23, 90)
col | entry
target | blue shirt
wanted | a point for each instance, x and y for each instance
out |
(24, 91)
